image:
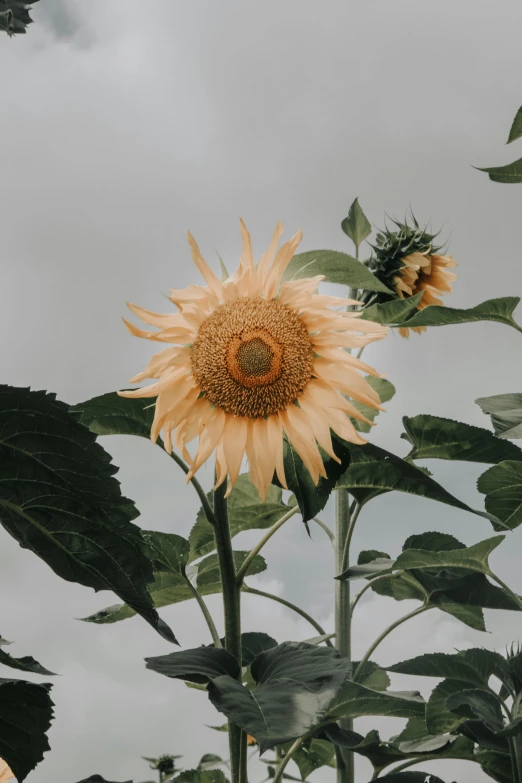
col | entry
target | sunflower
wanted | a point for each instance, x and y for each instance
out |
(256, 359)
(427, 273)
(5, 772)
(408, 262)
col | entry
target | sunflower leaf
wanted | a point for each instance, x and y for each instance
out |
(394, 312)
(25, 664)
(199, 665)
(412, 777)
(201, 776)
(433, 437)
(500, 310)
(502, 485)
(373, 471)
(356, 225)
(511, 174)
(354, 700)
(336, 267)
(172, 587)
(506, 413)
(26, 712)
(295, 684)
(516, 128)
(59, 499)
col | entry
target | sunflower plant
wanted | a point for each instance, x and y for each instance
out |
(260, 374)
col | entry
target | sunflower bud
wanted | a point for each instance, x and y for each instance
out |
(408, 262)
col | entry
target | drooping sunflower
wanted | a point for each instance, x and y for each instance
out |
(256, 359)
(408, 262)
(5, 772)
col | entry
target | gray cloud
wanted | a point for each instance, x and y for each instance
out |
(122, 129)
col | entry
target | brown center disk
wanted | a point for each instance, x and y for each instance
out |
(252, 357)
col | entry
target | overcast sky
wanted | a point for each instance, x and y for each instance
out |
(123, 124)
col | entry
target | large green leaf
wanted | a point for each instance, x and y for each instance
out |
(500, 310)
(354, 700)
(109, 414)
(245, 512)
(516, 128)
(474, 666)
(199, 665)
(356, 225)
(373, 470)
(336, 267)
(477, 703)
(474, 558)
(433, 437)
(173, 588)
(14, 16)
(496, 765)
(295, 684)
(25, 664)
(502, 485)
(506, 413)
(59, 499)
(510, 174)
(439, 719)
(394, 312)
(458, 592)
(26, 712)
(167, 551)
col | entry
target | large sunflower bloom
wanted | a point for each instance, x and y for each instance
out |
(254, 360)
(427, 273)
(5, 773)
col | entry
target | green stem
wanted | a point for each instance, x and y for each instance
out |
(516, 598)
(281, 768)
(416, 760)
(343, 619)
(291, 606)
(349, 534)
(231, 605)
(326, 530)
(366, 587)
(259, 546)
(385, 633)
(206, 614)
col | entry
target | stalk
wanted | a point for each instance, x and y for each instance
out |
(231, 605)
(343, 619)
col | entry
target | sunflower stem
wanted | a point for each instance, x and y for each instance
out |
(232, 612)
(343, 619)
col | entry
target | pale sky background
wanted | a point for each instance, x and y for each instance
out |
(123, 124)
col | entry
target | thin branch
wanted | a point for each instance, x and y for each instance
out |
(385, 633)
(366, 587)
(242, 571)
(349, 535)
(281, 768)
(206, 614)
(291, 606)
(326, 529)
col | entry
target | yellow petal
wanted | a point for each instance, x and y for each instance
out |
(267, 258)
(274, 430)
(300, 436)
(212, 281)
(234, 445)
(281, 261)
(208, 439)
